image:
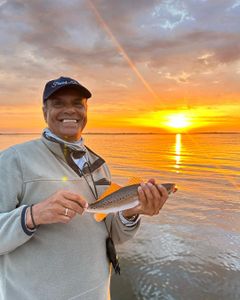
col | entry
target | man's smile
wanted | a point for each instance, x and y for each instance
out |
(69, 120)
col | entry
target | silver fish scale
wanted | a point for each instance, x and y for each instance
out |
(123, 193)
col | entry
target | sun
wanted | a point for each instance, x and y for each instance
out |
(178, 121)
(174, 121)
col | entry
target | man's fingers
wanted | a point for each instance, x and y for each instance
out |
(75, 197)
(152, 180)
(141, 195)
(71, 204)
(68, 212)
(156, 201)
(164, 194)
(147, 190)
(151, 197)
(65, 219)
(149, 202)
(156, 195)
(154, 190)
(62, 206)
(163, 191)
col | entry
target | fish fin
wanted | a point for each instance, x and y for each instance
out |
(113, 187)
(134, 180)
(99, 217)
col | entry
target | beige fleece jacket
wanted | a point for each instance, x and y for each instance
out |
(58, 261)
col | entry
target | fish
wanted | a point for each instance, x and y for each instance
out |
(121, 199)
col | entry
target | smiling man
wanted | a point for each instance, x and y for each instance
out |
(49, 248)
(65, 108)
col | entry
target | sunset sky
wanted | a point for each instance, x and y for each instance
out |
(151, 65)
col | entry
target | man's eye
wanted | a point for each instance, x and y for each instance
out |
(78, 104)
(57, 104)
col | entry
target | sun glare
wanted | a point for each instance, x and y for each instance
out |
(182, 120)
(178, 121)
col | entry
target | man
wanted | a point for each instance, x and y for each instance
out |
(50, 249)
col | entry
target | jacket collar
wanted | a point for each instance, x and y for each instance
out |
(54, 147)
(95, 160)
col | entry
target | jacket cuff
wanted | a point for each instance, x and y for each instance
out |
(127, 222)
(27, 230)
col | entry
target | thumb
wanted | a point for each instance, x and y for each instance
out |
(152, 180)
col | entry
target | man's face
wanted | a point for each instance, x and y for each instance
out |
(66, 114)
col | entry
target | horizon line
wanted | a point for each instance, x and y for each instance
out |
(131, 133)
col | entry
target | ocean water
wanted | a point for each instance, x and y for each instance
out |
(191, 250)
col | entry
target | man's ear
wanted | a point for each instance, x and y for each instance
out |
(86, 103)
(44, 109)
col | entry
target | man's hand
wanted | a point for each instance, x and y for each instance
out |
(151, 196)
(54, 209)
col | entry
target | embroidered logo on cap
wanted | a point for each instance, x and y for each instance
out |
(57, 83)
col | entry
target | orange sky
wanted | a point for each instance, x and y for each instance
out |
(157, 63)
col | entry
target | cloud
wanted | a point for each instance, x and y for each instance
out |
(188, 43)
(179, 78)
(69, 33)
(3, 2)
(205, 58)
(235, 5)
(171, 14)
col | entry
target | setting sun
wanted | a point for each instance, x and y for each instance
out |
(179, 121)
(200, 118)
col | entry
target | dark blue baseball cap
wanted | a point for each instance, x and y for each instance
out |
(62, 82)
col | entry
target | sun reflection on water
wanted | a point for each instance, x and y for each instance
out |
(178, 146)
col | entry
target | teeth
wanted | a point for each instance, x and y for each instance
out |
(69, 121)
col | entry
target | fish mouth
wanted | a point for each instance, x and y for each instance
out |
(175, 188)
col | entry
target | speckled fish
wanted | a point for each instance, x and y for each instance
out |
(121, 199)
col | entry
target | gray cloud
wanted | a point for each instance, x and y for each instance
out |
(43, 39)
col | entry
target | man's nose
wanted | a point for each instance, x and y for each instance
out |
(69, 109)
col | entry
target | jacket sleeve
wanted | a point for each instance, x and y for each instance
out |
(12, 215)
(120, 232)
